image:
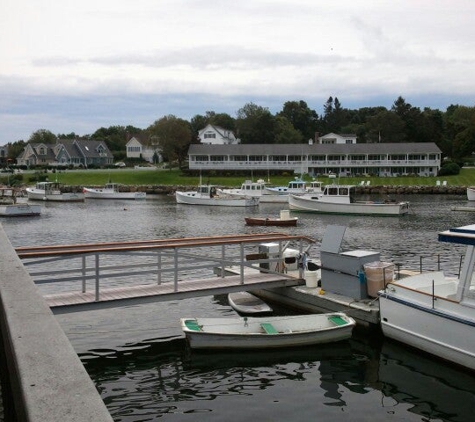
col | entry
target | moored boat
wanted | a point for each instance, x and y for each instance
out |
(248, 304)
(266, 332)
(10, 207)
(435, 313)
(285, 220)
(111, 191)
(53, 191)
(208, 195)
(254, 190)
(471, 193)
(296, 187)
(339, 199)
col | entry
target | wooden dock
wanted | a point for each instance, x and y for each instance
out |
(155, 270)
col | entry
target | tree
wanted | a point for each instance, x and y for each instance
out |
(174, 137)
(385, 126)
(115, 137)
(42, 136)
(255, 125)
(301, 117)
(285, 132)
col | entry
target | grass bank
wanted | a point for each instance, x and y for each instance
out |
(177, 178)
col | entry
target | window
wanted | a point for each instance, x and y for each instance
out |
(209, 135)
(349, 141)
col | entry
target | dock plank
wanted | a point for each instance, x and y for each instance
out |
(122, 296)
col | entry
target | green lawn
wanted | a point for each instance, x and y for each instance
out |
(175, 177)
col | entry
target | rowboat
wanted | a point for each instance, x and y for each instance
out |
(247, 304)
(284, 220)
(266, 332)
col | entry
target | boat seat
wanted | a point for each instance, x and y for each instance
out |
(192, 325)
(337, 320)
(268, 328)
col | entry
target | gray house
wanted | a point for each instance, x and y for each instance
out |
(75, 152)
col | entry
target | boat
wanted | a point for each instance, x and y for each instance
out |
(53, 191)
(433, 312)
(111, 191)
(296, 187)
(266, 332)
(208, 195)
(254, 190)
(10, 207)
(471, 193)
(285, 220)
(339, 199)
(248, 304)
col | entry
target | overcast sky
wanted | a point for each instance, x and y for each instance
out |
(78, 65)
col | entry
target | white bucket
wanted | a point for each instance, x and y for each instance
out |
(284, 214)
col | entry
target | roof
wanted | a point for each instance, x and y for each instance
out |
(296, 149)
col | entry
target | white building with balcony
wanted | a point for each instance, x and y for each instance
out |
(381, 159)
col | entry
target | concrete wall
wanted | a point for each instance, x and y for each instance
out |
(48, 381)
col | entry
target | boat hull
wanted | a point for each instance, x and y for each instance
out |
(90, 193)
(309, 204)
(247, 333)
(247, 304)
(39, 195)
(191, 198)
(435, 324)
(267, 198)
(250, 221)
(20, 210)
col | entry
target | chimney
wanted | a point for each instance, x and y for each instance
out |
(316, 137)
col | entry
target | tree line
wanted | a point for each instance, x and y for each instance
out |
(452, 130)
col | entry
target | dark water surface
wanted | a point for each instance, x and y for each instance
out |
(139, 361)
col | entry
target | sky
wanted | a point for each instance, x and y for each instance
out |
(76, 66)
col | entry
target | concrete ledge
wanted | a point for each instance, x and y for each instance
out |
(48, 380)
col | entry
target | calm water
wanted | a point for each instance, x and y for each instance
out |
(139, 361)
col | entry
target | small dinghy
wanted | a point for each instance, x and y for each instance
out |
(247, 304)
(267, 332)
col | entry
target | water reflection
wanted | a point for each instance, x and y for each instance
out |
(157, 380)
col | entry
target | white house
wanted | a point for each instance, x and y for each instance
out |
(216, 135)
(137, 147)
(335, 138)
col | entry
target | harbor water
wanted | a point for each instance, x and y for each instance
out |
(140, 364)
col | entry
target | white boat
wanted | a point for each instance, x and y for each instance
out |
(52, 191)
(254, 190)
(339, 199)
(471, 193)
(246, 303)
(111, 191)
(266, 332)
(435, 313)
(208, 195)
(10, 207)
(296, 187)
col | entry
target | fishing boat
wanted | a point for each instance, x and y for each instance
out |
(53, 191)
(339, 199)
(435, 313)
(254, 190)
(471, 193)
(296, 187)
(208, 195)
(111, 191)
(285, 220)
(248, 304)
(10, 207)
(266, 332)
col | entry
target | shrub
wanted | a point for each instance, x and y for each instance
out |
(449, 169)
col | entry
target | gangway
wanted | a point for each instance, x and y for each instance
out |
(83, 277)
